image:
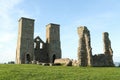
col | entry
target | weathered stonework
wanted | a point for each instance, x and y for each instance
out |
(101, 60)
(25, 43)
(63, 61)
(36, 51)
(107, 44)
(107, 49)
(40, 50)
(53, 41)
(85, 57)
(75, 63)
(106, 58)
(84, 49)
(30, 50)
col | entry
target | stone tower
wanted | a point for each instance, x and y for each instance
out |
(107, 49)
(53, 41)
(84, 49)
(25, 43)
(107, 44)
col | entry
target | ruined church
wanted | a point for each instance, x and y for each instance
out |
(30, 49)
(85, 57)
(35, 49)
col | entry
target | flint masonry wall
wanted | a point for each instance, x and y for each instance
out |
(107, 44)
(25, 43)
(53, 41)
(85, 57)
(30, 49)
(84, 47)
(51, 50)
(40, 50)
(107, 49)
(104, 59)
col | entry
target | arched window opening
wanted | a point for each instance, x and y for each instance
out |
(28, 58)
(41, 45)
(53, 58)
(37, 39)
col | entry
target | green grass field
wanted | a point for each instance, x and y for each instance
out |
(37, 72)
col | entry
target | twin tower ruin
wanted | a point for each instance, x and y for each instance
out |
(30, 49)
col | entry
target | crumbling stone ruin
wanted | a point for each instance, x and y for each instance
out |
(106, 58)
(84, 49)
(40, 50)
(32, 50)
(107, 44)
(85, 57)
(48, 53)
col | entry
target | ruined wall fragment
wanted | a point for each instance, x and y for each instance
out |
(84, 47)
(107, 49)
(107, 44)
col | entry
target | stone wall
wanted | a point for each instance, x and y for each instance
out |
(85, 57)
(107, 44)
(53, 41)
(107, 49)
(30, 49)
(40, 51)
(25, 43)
(84, 47)
(104, 59)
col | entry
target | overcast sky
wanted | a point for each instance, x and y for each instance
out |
(98, 15)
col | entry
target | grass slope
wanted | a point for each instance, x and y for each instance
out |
(37, 72)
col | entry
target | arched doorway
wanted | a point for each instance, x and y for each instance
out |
(28, 58)
(53, 58)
